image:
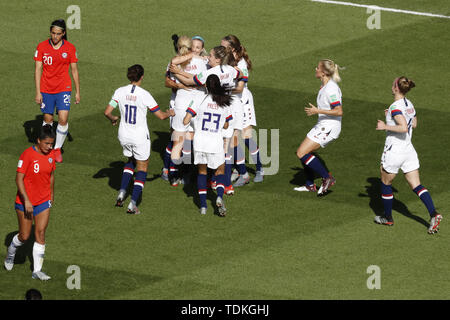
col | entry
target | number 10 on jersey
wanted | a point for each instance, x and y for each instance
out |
(130, 114)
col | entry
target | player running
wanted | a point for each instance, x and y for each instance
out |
(133, 103)
(35, 181)
(327, 129)
(399, 153)
(53, 85)
(211, 113)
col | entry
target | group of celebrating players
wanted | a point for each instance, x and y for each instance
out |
(211, 110)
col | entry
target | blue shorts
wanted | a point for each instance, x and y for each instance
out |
(60, 100)
(36, 209)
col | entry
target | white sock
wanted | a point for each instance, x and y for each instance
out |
(38, 256)
(45, 123)
(61, 134)
(15, 243)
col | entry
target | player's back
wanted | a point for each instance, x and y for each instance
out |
(405, 108)
(133, 103)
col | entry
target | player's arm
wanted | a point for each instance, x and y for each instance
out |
(169, 83)
(414, 122)
(52, 186)
(23, 194)
(182, 59)
(187, 118)
(76, 79)
(312, 109)
(162, 115)
(239, 88)
(184, 77)
(37, 80)
(401, 125)
(108, 113)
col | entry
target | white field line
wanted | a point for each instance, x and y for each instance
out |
(383, 9)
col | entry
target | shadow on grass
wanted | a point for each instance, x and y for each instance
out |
(33, 127)
(299, 178)
(375, 203)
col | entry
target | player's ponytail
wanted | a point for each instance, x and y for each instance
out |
(331, 69)
(240, 51)
(175, 41)
(60, 24)
(404, 84)
(225, 55)
(219, 94)
(46, 132)
(184, 45)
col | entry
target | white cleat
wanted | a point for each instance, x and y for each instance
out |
(434, 224)
(132, 209)
(234, 175)
(203, 210)
(221, 206)
(40, 275)
(306, 188)
(9, 262)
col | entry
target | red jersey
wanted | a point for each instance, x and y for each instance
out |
(37, 169)
(55, 75)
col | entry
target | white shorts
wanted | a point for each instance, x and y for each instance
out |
(177, 121)
(321, 134)
(171, 106)
(138, 151)
(237, 112)
(249, 116)
(213, 160)
(399, 157)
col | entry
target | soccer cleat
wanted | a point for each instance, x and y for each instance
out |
(202, 210)
(120, 199)
(384, 220)
(9, 262)
(175, 182)
(40, 275)
(242, 181)
(229, 191)
(165, 174)
(259, 177)
(58, 155)
(326, 184)
(434, 223)
(306, 188)
(234, 175)
(133, 209)
(221, 206)
(213, 185)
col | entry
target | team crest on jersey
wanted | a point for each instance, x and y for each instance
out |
(50, 160)
(64, 55)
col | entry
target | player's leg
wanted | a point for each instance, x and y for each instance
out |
(253, 149)
(387, 197)
(239, 160)
(41, 218)
(20, 238)
(139, 182)
(414, 182)
(187, 157)
(178, 140)
(48, 108)
(220, 178)
(202, 182)
(63, 108)
(127, 175)
(229, 190)
(167, 161)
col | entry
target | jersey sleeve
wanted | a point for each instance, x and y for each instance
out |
(200, 78)
(192, 108)
(244, 74)
(150, 103)
(38, 53)
(394, 110)
(73, 55)
(24, 162)
(115, 99)
(334, 98)
(228, 114)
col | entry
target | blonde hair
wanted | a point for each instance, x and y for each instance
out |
(331, 69)
(184, 45)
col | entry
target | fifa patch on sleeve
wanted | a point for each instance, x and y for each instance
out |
(19, 165)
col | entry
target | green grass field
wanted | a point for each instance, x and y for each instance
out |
(274, 243)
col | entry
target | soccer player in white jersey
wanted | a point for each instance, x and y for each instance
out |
(219, 60)
(399, 153)
(211, 113)
(133, 103)
(249, 116)
(182, 135)
(327, 129)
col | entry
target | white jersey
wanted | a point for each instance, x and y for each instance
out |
(227, 75)
(195, 66)
(208, 121)
(242, 65)
(174, 79)
(133, 102)
(405, 108)
(330, 97)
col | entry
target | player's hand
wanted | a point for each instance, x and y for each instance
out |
(114, 120)
(381, 125)
(77, 98)
(171, 112)
(174, 68)
(38, 98)
(312, 110)
(28, 213)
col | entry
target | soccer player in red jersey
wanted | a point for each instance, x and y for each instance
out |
(35, 181)
(53, 85)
